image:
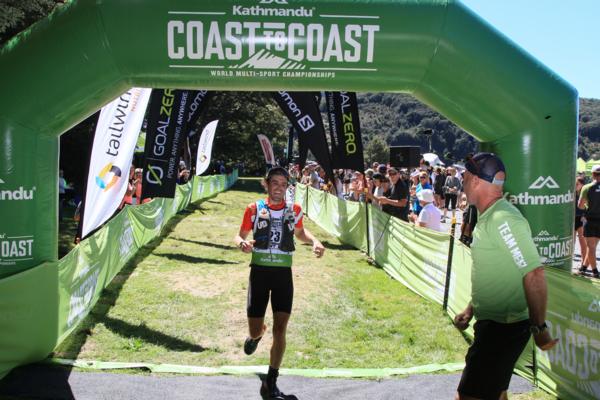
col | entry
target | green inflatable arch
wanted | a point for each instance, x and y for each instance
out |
(88, 52)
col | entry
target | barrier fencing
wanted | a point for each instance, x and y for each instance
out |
(418, 258)
(41, 306)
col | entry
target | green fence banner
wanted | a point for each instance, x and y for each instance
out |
(40, 307)
(417, 258)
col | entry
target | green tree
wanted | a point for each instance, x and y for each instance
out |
(18, 15)
(243, 115)
(377, 150)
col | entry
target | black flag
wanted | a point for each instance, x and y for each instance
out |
(344, 127)
(302, 110)
(198, 99)
(167, 120)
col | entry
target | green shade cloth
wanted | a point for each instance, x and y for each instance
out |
(417, 257)
(58, 296)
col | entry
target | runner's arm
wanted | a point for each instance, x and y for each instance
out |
(536, 294)
(240, 241)
(305, 236)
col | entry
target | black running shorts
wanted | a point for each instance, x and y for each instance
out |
(491, 358)
(591, 228)
(450, 201)
(274, 281)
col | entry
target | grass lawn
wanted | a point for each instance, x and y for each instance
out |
(182, 300)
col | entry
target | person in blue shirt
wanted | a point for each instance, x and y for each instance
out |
(424, 183)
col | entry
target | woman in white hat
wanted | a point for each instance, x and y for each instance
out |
(430, 216)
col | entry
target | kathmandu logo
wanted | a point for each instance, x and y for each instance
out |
(541, 182)
(263, 59)
(273, 1)
(17, 195)
(545, 236)
(105, 175)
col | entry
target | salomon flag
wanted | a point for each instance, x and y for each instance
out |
(167, 119)
(267, 149)
(302, 110)
(205, 147)
(344, 127)
(115, 138)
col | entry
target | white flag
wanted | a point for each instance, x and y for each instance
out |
(205, 147)
(267, 149)
(114, 143)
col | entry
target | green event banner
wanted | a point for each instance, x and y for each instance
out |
(439, 51)
(417, 258)
(40, 307)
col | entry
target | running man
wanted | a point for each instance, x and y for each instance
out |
(274, 223)
(508, 295)
(590, 201)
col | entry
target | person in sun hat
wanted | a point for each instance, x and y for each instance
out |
(274, 223)
(508, 286)
(430, 216)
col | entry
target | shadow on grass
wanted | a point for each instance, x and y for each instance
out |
(72, 345)
(148, 335)
(215, 245)
(192, 259)
(337, 246)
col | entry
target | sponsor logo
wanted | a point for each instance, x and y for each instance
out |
(526, 198)
(252, 45)
(109, 173)
(155, 174)
(126, 242)
(273, 1)
(21, 194)
(348, 125)
(594, 306)
(541, 182)
(262, 224)
(553, 248)
(15, 248)
(160, 217)
(304, 121)
(84, 288)
(117, 124)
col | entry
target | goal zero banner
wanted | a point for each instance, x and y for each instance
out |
(167, 119)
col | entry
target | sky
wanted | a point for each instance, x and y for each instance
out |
(562, 34)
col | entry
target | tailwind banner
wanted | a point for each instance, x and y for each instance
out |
(115, 138)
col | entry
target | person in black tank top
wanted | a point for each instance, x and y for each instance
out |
(590, 201)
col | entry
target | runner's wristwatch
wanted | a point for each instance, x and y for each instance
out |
(537, 329)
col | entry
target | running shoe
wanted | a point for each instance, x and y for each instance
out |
(582, 269)
(273, 393)
(250, 345)
(595, 273)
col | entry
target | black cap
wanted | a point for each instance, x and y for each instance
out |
(277, 171)
(485, 166)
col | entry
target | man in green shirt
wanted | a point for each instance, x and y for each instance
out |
(509, 294)
(590, 201)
